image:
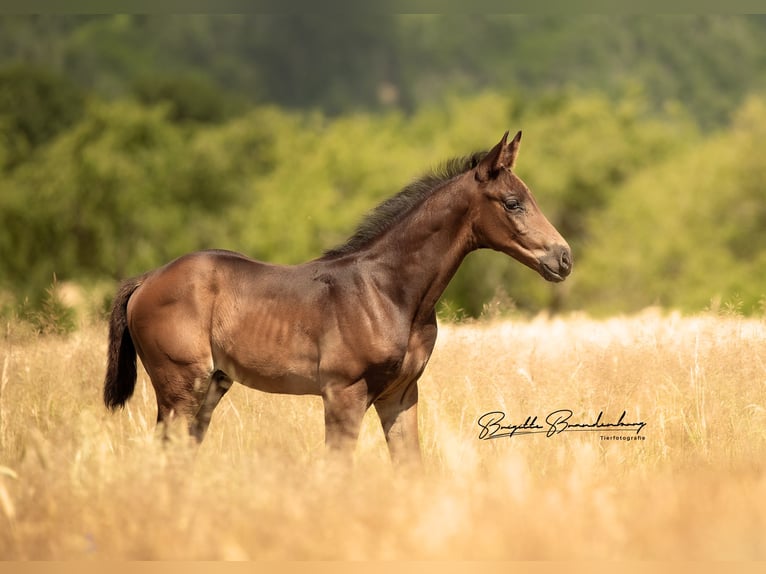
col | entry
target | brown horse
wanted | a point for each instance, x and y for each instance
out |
(355, 326)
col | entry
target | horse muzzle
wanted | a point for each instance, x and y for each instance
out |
(556, 264)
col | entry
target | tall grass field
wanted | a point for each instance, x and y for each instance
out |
(78, 482)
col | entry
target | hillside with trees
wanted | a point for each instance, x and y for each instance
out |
(126, 141)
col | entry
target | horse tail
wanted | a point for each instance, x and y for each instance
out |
(120, 377)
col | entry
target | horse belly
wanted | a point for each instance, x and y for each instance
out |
(273, 368)
(269, 379)
(285, 384)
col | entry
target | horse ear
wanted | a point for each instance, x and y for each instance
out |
(490, 166)
(503, 155)
(513, 151)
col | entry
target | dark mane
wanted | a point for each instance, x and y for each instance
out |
(393, 209)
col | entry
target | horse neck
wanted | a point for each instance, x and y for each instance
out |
(418, 256)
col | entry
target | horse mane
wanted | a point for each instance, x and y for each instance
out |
(396, 207)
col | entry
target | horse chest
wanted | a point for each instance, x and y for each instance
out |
(403, 358)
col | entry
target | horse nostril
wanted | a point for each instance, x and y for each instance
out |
(565, 260)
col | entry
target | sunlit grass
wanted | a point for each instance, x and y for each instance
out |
(78, 482)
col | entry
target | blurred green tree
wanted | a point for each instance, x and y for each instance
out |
(36, 104)
(122, 191)
(190, 97)
(685, 233)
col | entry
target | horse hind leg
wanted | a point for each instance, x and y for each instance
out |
(181, 394)
(220, 383)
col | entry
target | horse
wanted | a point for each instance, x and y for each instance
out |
(356, 325)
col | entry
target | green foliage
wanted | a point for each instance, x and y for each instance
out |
(191, 98)
(49, 315)
(134, 139)
(35, 106)
(650, 206)
(123, 191)
(374, 61)
(685, 233)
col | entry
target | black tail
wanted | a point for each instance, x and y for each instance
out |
(120, 377)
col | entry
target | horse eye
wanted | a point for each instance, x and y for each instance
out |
(512, 204)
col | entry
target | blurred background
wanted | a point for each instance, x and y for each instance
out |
(126, 141)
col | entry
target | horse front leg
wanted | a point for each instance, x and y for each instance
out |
(344, 408)
(398, 415)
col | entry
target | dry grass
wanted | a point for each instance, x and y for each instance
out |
(77, 482)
